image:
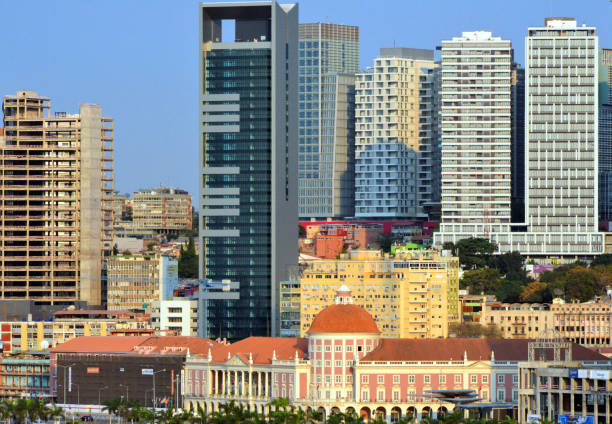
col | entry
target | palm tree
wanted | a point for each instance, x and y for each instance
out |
(5, 411)
(112, 405)
(200, 416)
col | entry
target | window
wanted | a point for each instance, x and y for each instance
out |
(515, 379)
(442, 379)
(284, 378)
(501, 379)
(381, 395)
(381, 379)
(485, 394)
(457, 378)
(364, 396)
(411, 379)
(276, 378)
(396, 379)
(338, 348)
(338, 379)
(501, 395)
(365, 379)
(328, 379)
(327, 348)
(474, 379)
(485, 379)
(514, 395)
(338, 363)
(396, 395)
(427, 379)
(349, 379)
(349, 348)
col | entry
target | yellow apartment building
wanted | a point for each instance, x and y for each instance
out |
(408, 294)
(162, 209)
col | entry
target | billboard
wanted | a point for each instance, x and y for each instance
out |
(93, 370)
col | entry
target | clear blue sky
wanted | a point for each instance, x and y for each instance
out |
(139, 60)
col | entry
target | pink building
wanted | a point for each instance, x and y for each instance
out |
(344, 365)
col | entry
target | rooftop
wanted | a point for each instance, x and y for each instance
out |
(262, 349)
(343, 318)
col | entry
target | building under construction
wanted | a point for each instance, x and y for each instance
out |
(56, 186)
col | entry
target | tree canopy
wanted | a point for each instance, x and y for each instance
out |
(188, 261)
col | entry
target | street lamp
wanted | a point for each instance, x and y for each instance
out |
(127, 391)
(100, 394)
(78, 394)
(154, 397)
(64, 372)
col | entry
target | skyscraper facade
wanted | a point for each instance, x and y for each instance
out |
(328, 61)
(561, 153)
(56, 217)
(476, 143)
(248, 158)
(605, 135)
(388, 136)
(517, 87)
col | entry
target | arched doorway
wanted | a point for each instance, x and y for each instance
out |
(365, 413)
(411, 413)
(323, 413)
(381, 413)
(350, 411)
(442, 412)
(426, 412)
(396, 414)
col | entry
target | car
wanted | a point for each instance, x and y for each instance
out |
(86, 418)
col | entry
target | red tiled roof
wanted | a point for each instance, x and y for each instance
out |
(165, 344)
(137, 345)
(343, 319)
(262, 349)
(454, 349)
(117, 312)
(100, 344)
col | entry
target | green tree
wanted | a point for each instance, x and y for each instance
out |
(509, 291)
(484, 280)
(188, 261)
(112, 406)
(301, 231)
(474, 252)
(605, 259)
(385, 241)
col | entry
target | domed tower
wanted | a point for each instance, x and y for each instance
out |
(339, 335)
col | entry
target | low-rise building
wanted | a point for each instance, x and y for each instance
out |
(556, 385)
(344, 364)
(412, 294)
(134, 281)
(586, 323)
(163, 209)
(36, 335)
(24, 375)
(176, 316)
(90, 370)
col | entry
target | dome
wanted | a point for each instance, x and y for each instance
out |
(343, 318)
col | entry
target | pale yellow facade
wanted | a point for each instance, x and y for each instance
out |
(407, 294)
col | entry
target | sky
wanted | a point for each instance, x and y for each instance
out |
(138, 60)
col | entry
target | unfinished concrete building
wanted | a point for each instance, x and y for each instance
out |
(56, 186)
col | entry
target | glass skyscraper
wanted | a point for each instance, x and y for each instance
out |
(328, 61)
(248, 202)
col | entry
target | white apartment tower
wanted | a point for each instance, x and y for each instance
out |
(561, 149)
(387, 134)
(475, 91)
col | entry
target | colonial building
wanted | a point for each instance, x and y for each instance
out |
(344, 365)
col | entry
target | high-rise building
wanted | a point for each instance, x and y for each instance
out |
(517, 134)
(248, 159)
(329, 59)
(390, 140)
(162, 209)
(476, 74)
(605, 135)
(561, 148)
(56, 215)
